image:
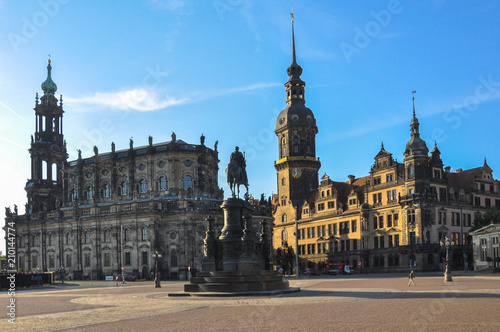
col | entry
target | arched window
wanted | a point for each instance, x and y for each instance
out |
(124, 189)
(187, 183)
(411, 171)
(173, 258)
(73, 195)
(126, 234)
(283, 217)
(142, 186)
(284, 235)
(106, 191)
(90, 193)
(107, 237)
(283, 147)
(144, 234)
(162, 183)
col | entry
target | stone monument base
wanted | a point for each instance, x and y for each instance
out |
(237, 283)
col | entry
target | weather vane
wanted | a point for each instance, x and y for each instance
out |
(413, 94)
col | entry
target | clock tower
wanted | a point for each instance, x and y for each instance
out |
(297, 166)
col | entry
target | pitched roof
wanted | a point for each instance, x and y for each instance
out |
(464, 179)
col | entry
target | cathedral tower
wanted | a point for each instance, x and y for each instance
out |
(296, 129)
(48, 150)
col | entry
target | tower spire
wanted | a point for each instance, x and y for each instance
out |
(49, 87)
(413, 98)
(294, 59)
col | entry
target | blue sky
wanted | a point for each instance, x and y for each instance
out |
(139, 68)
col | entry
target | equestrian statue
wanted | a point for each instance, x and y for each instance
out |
(236, 172)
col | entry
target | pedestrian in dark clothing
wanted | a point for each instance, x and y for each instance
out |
(411, 276)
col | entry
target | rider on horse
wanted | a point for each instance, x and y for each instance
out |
(236, 171)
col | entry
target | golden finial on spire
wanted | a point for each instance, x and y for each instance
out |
(292, 15)
(49, 59)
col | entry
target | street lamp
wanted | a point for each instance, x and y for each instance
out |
(446, 244)
(156, 255)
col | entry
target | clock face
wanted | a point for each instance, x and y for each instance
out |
(296, 173)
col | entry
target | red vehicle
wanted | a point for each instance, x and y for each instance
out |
(337, 268)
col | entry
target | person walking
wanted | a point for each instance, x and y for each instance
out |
(411, 276)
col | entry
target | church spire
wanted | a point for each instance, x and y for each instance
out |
(49, 87)
(414, 121)
(415, 145)
(294, 60)
(295, 86)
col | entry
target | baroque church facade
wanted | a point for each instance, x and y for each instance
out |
(392, 218)
(92, 216)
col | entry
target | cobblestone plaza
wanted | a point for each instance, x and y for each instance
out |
(374, 302)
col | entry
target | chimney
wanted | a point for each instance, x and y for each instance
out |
(351, 179)
(447, 169)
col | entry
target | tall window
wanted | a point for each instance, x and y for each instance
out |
(90, 192)
(107, 237)
(145, 258)
(411, 216)
(86, 237)
(51, 239)
(126, 234)
(124, 189)
(127, 258)
(51, 261)
(142, 186)
(69, 261)
(187, 183)
(73, 195)
(106, 191)
(68, 238)
(107, 259)
(283, 147)
(411, 172)
(173, 258)
(144, 234)
(283, 217)
(86, 260)
(284, 235)
(163, 183)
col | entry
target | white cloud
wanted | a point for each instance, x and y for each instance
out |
(141, 100)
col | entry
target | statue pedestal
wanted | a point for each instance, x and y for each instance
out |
(235, 263)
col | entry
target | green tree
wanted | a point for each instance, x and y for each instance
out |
(485, 219)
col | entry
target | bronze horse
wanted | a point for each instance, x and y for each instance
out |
(236, 176)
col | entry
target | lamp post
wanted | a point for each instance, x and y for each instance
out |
(157, 255)
(446, 244)
(296, 249)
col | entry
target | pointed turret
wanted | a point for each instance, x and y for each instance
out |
(416, 145)
(49, 87)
